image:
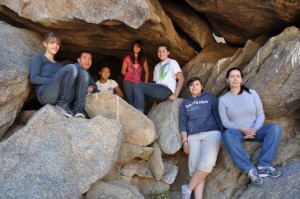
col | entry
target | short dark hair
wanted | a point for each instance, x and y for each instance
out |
(192, 80)
(84, 51)
(105, 66)
(164, 45)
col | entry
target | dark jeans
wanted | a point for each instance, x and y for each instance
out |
(68, 84)
(128, 90)
(154, 91)
(80, 89)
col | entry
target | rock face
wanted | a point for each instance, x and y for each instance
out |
(195, 27)
(58, 157)
(138, 129)
(165, 118)
(238, 21)
(216, 81)
(16, 51)
(47, 12)
(277, 66)
(107, 28)
(204, 63)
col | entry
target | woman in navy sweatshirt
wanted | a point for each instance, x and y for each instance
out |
(200, 126)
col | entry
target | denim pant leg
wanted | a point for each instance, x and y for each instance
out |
(270, 135)
(155, 91)
(59, 89)
(232, 140)
(80, 89)
(128, 90)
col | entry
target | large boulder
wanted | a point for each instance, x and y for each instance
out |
(138, 129)
(166, 120)
(17, 48)
(56, 157)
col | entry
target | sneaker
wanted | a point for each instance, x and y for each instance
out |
(255, 178)
(265, 171)
(64, 108)
(186, 194)
(79, 114)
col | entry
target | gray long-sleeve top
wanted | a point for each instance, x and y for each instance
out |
(243, 110)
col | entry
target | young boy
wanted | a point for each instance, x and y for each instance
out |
(108, 85)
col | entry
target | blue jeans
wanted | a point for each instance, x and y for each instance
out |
(68, 85)
(59, 88)
(128, 90)
(268, 134)
(80, 89)
(154, 91)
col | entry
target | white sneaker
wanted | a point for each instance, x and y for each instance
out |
(186, 194)
(255, 178)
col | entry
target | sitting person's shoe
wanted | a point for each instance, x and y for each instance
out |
(65, 109)
(265, 171)
(186, 194)
(254, 177)
(79, 114)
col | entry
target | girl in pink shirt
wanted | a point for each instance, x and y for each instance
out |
(132, 67)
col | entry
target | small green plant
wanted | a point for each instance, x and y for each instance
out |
(158, 195)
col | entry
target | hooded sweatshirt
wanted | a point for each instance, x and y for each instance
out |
(199, 114)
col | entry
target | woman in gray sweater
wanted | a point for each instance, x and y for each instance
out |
(242, 114)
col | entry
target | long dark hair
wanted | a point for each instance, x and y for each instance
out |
(141, 56)
(243, 88)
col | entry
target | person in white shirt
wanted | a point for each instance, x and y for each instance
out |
(165, 87)
(108, 85)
